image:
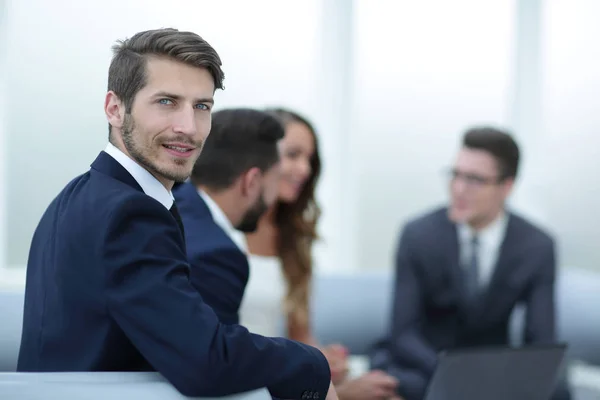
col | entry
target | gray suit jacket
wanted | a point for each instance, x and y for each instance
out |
(430, 309)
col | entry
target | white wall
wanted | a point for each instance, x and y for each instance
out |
(422, 77)
(425, 71)
(568, 150)
(270, 52)
(390, 87)
(2, 135)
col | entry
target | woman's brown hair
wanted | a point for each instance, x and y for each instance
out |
(296, 224)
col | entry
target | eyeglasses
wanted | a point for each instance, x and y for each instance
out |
(474, 180)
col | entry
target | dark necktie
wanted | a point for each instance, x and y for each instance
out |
(177, 217)
(472, 271)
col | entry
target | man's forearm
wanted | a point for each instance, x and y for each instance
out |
(415, 352)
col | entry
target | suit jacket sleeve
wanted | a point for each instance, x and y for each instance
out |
(150, 297)
(406, 342)
(540, 322)
(540, 310)
(219, 275)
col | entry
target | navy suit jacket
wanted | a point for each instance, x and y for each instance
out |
(108, 289)
(430, 309)
(219, 269)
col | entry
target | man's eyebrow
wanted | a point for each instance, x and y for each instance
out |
(206, 100)
(178, 97)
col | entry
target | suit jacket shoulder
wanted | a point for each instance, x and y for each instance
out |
(427, 226)
(436, 222)
(529, 234)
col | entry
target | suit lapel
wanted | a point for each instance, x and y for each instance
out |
(504, 265)
(476, 310)
(107, 165)
(453, 251)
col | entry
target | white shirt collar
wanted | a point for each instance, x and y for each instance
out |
(491, 236)
(149, 184)
(221, 219)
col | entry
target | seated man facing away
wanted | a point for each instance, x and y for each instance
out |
(235, 180)
(108, 285)
(461, 270)
(231, 186)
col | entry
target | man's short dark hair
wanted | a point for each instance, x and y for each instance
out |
(499, 144)
(239, 139)
(127, 71)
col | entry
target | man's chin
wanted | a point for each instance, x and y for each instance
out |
(457, 216)
(176, 178)
(177, 174)
(181, 179)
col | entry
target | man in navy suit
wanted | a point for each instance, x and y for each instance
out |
(232, 184)
(461, 270)
(108, 285)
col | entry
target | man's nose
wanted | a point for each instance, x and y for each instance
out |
(185, 122)
(305, 167)
(458, 185)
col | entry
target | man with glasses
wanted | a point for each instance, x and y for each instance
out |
(462, 269)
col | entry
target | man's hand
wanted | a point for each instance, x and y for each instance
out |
(375, 385)
(331, 393)
(337, 357)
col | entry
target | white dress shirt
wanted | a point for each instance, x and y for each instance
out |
(149, 184)
(490, 242)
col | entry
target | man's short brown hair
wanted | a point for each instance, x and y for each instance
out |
(127, 72)
(500, 144)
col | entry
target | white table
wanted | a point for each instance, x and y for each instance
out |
(98, 386)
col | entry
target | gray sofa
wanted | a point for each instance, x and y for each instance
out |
(11, 315)
(355, 310)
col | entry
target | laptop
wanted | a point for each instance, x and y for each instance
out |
(502, 373)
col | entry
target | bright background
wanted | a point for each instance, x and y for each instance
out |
(390, 86)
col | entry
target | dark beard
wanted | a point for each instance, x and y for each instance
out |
(250, 220)
(137, 153)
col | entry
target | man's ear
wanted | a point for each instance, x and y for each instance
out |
(507, 186)
(114, 110)
(251, 181)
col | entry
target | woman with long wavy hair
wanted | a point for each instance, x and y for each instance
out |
(281, 261)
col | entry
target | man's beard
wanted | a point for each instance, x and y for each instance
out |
(250, 220)
(141, 154)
